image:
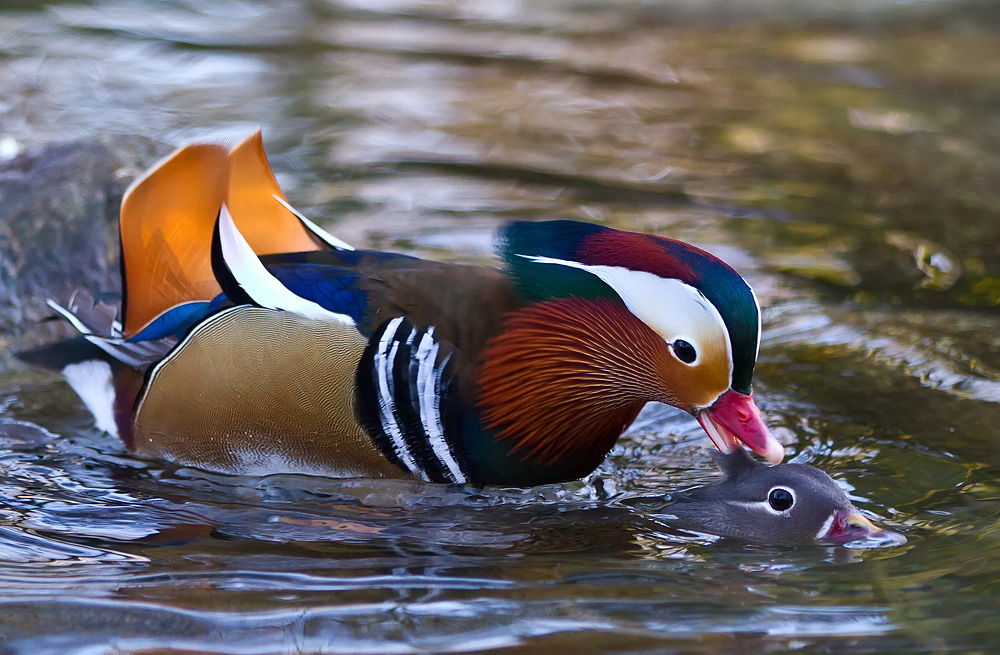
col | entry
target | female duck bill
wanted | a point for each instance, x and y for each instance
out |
(847, 525)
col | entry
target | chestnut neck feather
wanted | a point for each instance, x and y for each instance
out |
(566, 377)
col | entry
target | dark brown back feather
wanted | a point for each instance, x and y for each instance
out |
(464, 303)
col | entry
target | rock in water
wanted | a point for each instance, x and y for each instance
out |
(59, 227)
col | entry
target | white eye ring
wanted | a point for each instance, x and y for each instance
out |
(772, 498)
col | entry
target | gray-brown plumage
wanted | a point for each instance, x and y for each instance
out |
(774, 504)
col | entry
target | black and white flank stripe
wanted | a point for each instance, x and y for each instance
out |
(404, 396)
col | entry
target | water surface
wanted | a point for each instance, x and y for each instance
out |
(844, 159)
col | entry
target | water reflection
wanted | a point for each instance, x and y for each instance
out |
(247, 561)
(843, 158)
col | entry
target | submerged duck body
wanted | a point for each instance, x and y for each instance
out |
(251, 341)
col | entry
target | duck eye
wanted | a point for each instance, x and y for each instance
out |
(780, 499)
(684, 351)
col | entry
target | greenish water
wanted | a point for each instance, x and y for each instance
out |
(845, 159)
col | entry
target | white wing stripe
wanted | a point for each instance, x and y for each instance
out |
(315, 229)
(428, 381)
(387, 405)
(69, 316)
(265, 289)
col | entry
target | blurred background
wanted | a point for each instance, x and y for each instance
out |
(845, 157)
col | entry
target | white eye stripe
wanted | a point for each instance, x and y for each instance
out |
(671, 308)
(765, 504)
(753, 504)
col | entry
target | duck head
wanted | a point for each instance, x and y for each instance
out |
(620, 319)
(774, 504)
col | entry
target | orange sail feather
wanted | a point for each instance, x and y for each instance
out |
(265, 223)
(168, 216)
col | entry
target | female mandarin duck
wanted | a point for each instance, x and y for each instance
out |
(773, 504)
(251, 341)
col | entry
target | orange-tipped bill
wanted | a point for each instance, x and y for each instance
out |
(735, 419)
(849, 525)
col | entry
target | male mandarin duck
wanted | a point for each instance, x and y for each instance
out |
(251, 341)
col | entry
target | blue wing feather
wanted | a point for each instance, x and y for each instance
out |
(347, 259)
(331, 287)
(173, 322)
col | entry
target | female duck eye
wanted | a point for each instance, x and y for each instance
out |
(684, 351)
(780, 499)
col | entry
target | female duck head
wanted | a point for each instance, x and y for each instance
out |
(774, 504)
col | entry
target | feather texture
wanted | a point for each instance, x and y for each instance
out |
(568, 376)
(168, 217)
